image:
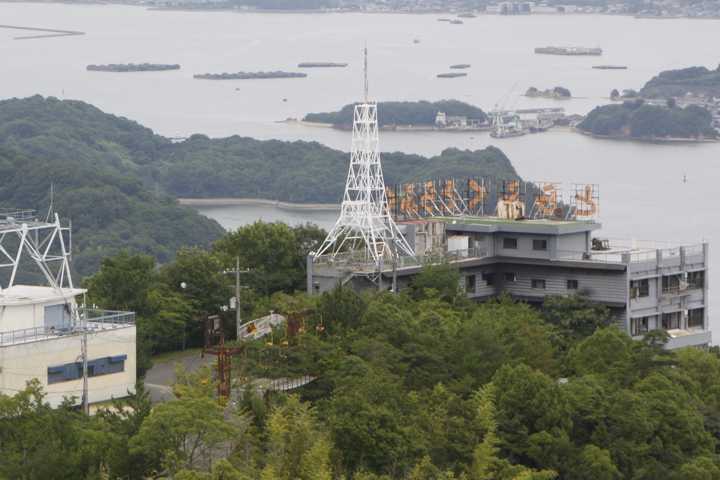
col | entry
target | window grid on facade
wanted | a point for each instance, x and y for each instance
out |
(639, 326)
(96, 368)
(539, 244)
(510, 277)
(696, 279)
(538, 283)
(470, 283)
(510, 243)
(572, 284)
(640, 288)
(696, 318)
(488, 278)
(671, 320)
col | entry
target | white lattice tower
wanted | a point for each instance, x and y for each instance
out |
(365, 221)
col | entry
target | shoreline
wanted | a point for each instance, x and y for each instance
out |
(233, 201)
(657, 140)
(389, 128)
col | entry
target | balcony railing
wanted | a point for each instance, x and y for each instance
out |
(358, 262)
(90, 319)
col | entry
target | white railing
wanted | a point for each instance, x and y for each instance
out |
(360, 262)
(90, 319)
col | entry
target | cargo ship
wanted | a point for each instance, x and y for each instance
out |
(569, 51)
(609, 67)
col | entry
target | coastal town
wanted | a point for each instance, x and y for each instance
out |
(465, 8)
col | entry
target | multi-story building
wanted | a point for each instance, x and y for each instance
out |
(645, 287)
(46, 331)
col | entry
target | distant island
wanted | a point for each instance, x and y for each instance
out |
(133, 67)
(677, 90)
(695, 81)
(322, 65)
(572, 51)
(557, 93)
(460, 66)
(637, 120)
(248, 75)
(421, 115)
(452, 75)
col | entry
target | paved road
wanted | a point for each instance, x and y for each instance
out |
(160, 378)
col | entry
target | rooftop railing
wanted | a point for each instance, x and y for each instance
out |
(11, 215)
(88, 319)
(358, 262)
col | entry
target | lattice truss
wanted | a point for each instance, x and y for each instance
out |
(365, 223)
(480, 196)
(25, 241)
(437, 198)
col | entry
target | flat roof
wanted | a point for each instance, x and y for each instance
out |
(532, 226)
(31, 294)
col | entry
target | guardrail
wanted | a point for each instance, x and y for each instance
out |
(110, 317)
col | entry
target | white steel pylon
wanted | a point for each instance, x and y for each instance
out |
(365, 221)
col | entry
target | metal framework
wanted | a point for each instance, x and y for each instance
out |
(46, 244)
(365, 221)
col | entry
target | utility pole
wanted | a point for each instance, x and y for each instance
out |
(84, 355)
(237, 298)
(237, 273)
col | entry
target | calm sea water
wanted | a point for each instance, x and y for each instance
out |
(643, 195)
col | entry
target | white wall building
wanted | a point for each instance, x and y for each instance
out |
(42, 326)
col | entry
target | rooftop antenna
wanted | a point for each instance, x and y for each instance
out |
(365, 225)
(366, 75)
(51, 208)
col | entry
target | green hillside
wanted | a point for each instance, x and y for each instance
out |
(97, 164)
(118, 181)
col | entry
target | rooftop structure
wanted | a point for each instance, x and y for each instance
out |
(533, 240)
(45, 332)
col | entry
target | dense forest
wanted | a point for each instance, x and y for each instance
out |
(637, 120)
(698, 81)
(94, 162)
(422, 385)
(402, 113)
(117, 181)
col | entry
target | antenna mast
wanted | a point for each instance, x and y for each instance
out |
(365, 70)
(365, 224)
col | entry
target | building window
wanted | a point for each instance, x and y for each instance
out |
(96, 367)
(470, 283)
(538, 283)
(510, 243)
(539, 244)
(510, 277)
(488, 278)
(639, 326)
(572, 284)
(640, 288)
(671, 283)
(696, 279)
(671, 321)
(696, 318)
